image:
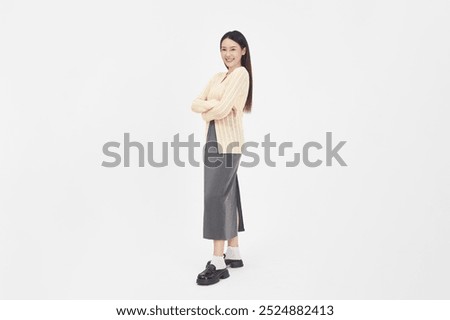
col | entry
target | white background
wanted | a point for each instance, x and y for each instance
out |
(75, 75)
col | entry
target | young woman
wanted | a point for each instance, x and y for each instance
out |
(222, 104)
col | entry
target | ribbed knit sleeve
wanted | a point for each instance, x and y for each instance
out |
(237, 87)
(200, 104)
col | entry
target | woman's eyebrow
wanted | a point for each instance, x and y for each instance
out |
(230, 47)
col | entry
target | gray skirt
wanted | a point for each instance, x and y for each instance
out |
(222, 199)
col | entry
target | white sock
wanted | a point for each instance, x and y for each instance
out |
(219, 262)
(233, 253)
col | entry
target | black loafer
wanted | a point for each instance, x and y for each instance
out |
(232, 263)
(212, 275)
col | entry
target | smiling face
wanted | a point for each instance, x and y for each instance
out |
(231, 54)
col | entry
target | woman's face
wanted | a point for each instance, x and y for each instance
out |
(231, 53)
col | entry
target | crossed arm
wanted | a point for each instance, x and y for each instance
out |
(200, 104)
(237, 86)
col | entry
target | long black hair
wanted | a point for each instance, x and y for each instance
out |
(245, 61)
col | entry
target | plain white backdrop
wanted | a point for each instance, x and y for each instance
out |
(75, 75)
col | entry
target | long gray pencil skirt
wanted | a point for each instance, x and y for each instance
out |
(222, 199)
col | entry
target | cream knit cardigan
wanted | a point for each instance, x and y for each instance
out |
(223, 101)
